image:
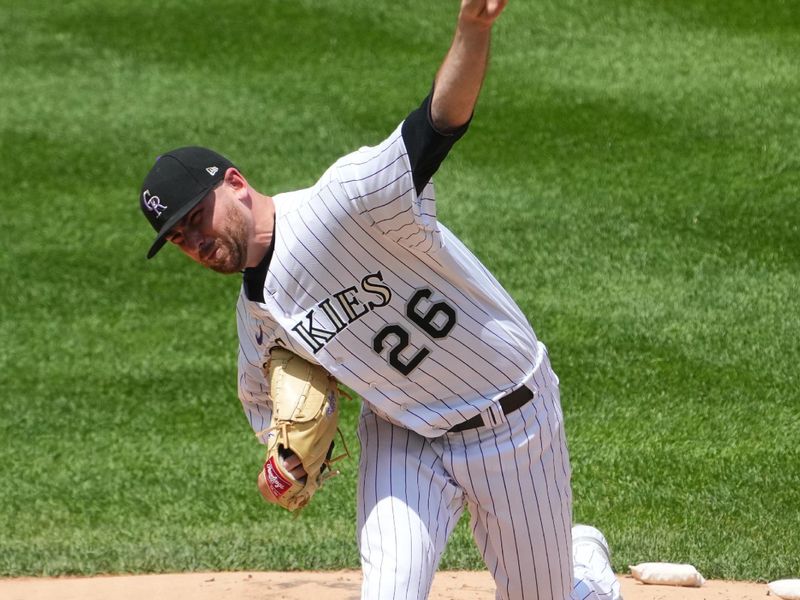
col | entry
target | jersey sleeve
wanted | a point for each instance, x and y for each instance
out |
(253, 388)
(390, 184)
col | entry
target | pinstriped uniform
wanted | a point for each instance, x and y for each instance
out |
(364, 280)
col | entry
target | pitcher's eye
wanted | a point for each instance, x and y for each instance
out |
(196, 217)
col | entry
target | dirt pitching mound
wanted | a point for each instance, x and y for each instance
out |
(299, 585)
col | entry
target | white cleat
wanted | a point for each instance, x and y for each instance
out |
(592, 535)
(592, 561)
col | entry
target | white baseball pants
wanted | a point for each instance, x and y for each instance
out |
(515, 480)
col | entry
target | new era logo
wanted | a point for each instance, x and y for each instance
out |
(212, 170)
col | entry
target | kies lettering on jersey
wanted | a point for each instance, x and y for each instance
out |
(351, 307)
(436, 320)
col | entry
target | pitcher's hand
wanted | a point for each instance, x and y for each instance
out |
(481, 13)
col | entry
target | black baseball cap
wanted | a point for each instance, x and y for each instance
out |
(178, 181)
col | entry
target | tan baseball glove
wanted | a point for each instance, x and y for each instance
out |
(305, 416)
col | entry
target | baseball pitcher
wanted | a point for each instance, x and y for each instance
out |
(355, 280)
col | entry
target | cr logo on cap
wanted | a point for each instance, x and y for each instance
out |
(152, 203)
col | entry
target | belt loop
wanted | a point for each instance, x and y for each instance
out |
(494, 415)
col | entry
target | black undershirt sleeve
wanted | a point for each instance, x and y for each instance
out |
(426, 146)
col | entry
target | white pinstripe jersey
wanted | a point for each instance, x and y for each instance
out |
(365, 281)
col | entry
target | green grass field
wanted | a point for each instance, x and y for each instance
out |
(631, 176)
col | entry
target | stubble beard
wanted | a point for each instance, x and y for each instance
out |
(230, 252)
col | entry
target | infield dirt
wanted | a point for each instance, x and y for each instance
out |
(299, 585)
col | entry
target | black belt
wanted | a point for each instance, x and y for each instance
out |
(509, 403)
